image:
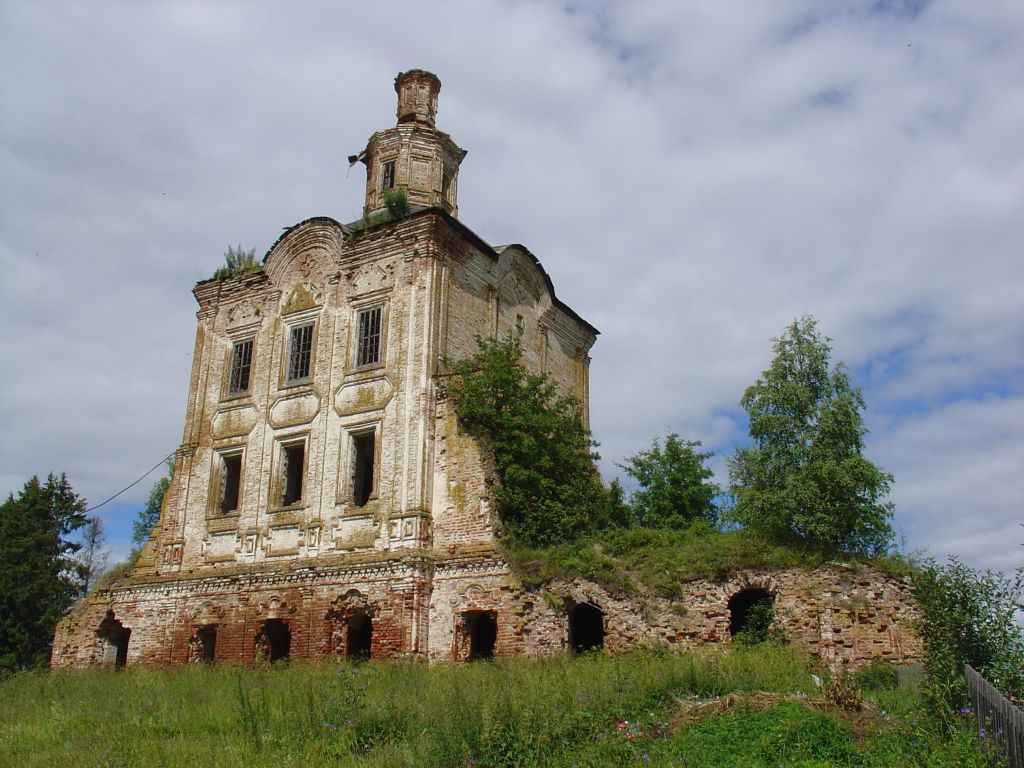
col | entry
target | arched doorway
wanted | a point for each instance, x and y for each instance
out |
(586, 627)
(274, 640)
(359, 636)
(751, 612)
(114, 638)
(207, 640)
(481, 630)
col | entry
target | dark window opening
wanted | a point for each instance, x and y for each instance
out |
(274, 640)
(231, 482)
(207, 637)
(446, 183)
(359, 636)
(387, 175)
(362, 471)
(115, 637)
(300, 349)
(241, 365)
(293, 458)
(368, 337)
(586, 628)
(482, 630)
(751, 612)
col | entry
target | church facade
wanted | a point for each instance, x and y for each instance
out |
(324, 500)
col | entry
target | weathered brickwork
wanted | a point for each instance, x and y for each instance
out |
(324, 500)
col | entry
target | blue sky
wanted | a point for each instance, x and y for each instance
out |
(693, 176)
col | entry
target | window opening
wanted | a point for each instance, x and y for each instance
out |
(274, 640)
(207, 637)
(115, 637)
(241, 365)
(292, 459)
(446, 183)
(363, 446)
(750, 614)
(387, 175)
(482, 629)
(359, 637)
(368, 337)
(231, 482)
(300, 347)
(586, 628)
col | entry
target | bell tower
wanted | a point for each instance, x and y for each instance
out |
(413, 156)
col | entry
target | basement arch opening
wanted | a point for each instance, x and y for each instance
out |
(751, 612)
(114, 637)
(481, 631)
(206, 638)
(274, 640)
(586, 628)
(359, 636)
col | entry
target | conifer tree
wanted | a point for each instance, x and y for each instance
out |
(38, 577)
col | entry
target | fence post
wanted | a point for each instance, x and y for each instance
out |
(1000, 723)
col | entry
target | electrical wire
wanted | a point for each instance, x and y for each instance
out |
(162, 461)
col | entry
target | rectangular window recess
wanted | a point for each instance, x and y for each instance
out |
(362, 469)
(241, 365)
(300, 348)
(293, 461)
(387, 175)
(368, 337)
(231, 483)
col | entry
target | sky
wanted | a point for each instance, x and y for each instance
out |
(692, 175)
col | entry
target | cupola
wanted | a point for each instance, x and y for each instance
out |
(413, 156)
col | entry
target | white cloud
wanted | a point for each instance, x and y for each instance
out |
(693, 176)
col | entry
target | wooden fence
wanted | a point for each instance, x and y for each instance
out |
(1000, 723)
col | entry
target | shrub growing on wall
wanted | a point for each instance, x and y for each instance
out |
(548, 490)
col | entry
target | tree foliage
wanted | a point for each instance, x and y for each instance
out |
(149, 515)
(969, 617)
(805, 479)
(675, 486)
(548, 490)
(238, 261)
(39, 579)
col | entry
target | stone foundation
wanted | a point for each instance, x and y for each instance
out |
(447, 608)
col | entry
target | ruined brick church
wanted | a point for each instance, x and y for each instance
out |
(324, 501)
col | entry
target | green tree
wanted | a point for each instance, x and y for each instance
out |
(548, 489)
(149, 515)
(675, 486)
(805, 479)
(39, 579)
(969, 617)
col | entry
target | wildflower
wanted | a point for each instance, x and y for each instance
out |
(982, 734)
(965, 710)
(623, 724)
(1000, 731)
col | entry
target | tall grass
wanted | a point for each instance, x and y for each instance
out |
(592, 710)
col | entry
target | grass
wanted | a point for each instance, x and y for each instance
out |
(592, 710)
(627, 561)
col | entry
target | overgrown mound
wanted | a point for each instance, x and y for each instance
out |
(659, 561)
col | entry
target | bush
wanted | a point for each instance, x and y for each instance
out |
(969, 617)
(397, 202)
(548, 489)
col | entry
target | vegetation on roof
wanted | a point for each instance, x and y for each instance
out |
(238, 261)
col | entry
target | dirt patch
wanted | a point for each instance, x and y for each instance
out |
(869, 721)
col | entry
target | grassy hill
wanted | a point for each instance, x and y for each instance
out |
(745, 707)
